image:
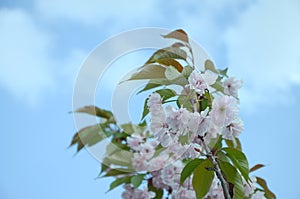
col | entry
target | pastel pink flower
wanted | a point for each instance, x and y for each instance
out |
(199, 82)
(231, 86)
(143, 194)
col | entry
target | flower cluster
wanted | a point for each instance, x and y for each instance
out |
(170, 123)
(188, 147)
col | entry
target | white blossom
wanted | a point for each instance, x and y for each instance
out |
(143, 194)
(184, 193)
(215, 191)
(134, 141)
(199, 82)
(258, 195)
(154, 104)
(147, 150)
(233, 129)
(231, 86)
(224, 110)
(129, 192)
(158, 162)
(249, 187)
(139, 162)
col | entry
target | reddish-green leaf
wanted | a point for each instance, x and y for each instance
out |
(178, 34)
(149, 71)
(203, 178)
(167, 57)
(256, 167)
(189, 169)
(93, 110)
(168, 62)
(268, 193)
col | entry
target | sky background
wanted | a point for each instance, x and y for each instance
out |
(43, 44)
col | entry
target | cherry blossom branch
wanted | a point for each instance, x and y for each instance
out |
(217, 169)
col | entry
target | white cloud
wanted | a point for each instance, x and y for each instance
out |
(263, 49)
(92, 12)
(25, 69)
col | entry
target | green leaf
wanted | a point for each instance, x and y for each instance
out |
(216, 143)
(234, 143)
(218, 86)
(89, 136)
(268, 193)
(121, 157)
(239, 160)
(187, 70)
(203, 178)
(137, 180)
(209, 65)
(116, 172)
(224, 72)
(167, 56)
(256, 167)
(189, 169)
(206, 100)
(94, 110)
(158, 192)
(104, 166)
(167, 62)
(149, 71)
(233, 176)
(166, 93)
(186, 98)
(149, 86)
(118, 182)
(178, 34)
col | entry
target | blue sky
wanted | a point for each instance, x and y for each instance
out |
(43, 44)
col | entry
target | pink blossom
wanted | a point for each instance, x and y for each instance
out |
(166, 136)
(224, 110)
(134, 142)
(147, 150)
(172, 172)
(231, 86)
(192, 151)
(177, 119)
(200, 82)
(157, 163)
(215, 191)
(143, 194)
(184, 193)
(249, 187)
(154, 99)
(158, 123)
(129, 192)
(233, 129)
(202, 121)
(154, 104)
(258, 195)
(139, 162)
(194, 122)
(157, 180)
